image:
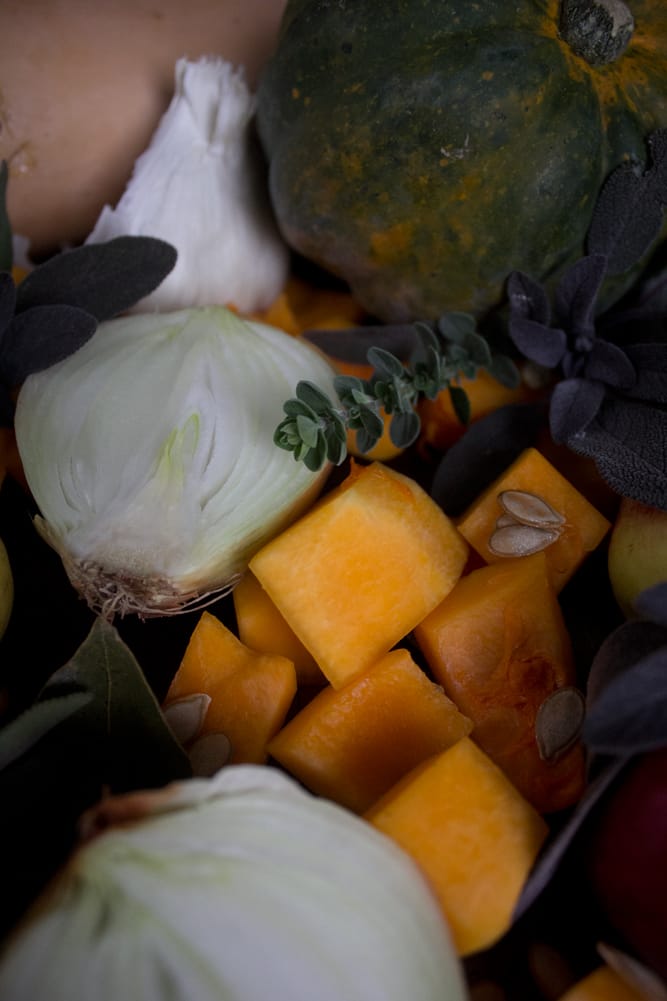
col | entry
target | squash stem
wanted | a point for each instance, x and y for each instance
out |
(598, 31)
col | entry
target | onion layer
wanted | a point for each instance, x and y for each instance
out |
(150, 454)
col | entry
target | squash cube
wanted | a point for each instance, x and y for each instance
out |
(603, 984)
(361, 568)
(499, 646)
(353, 743)
(261, 627)
(472, 834)
(580, 530)
(250, 692)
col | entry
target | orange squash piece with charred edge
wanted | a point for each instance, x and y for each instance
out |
(361, 568)
(250, 692)
(499, 646)
(471, 833)
(353, 743)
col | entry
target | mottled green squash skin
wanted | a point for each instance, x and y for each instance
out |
(423, 149)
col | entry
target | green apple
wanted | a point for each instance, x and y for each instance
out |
(637, 556)
(6, 589)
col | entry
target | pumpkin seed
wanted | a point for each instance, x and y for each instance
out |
(209, 753)
(529, 509)
(638, 976)
(185, 716)
(559, 721)
(521, 540)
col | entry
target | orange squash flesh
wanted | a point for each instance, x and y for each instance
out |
(250, 692)
(361, 568)
(262, 628)
(352, 744)
(472, 834)
(499, 646)
(602, 984)
(440, 426)
(583, 529)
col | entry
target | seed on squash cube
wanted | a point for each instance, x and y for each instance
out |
(359, 570)
(472, 834)
(569, 529)
(499, 646)
(250, 693)
(353, 743)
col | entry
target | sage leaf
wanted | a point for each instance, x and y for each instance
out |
(554, 854)
(626, 440)
(22, 733)
(135, 746)
(101, 278)
(482, 453)
(629, 715)
(42, 336)
(629, 210)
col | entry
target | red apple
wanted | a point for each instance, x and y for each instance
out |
(627, 858)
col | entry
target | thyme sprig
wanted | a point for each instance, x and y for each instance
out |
(315, 428)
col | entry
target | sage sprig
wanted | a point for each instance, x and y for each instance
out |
(315, 428)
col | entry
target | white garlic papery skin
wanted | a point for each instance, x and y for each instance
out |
(201, 186)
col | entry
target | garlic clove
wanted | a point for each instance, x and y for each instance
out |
(201, 186)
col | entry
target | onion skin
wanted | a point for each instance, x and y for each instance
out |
(242, 887)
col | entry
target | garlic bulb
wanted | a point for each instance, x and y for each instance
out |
(150, 454)
(242, 887)
(200, 185)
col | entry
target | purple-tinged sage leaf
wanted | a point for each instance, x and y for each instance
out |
(527, 298)
(556, 850)
(103, 279)
(627, 442)
(545, 346)
(577, 292)
(650, 363)
(609, 364)
(574, 404)
(629, 715)
(483, 452)
(40, 337)
(628, 213)
(651, 604)
(353, 344)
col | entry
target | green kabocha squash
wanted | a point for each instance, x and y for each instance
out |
(421, 150)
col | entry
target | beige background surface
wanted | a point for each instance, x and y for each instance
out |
(83, 85)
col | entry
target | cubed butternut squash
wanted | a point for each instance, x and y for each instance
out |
(567, 535)
(261, 627)
(361, 568)
(440, 425)
(353, 743)
(472, 834)
(498, 645)
(250, 692)
(603, 984)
